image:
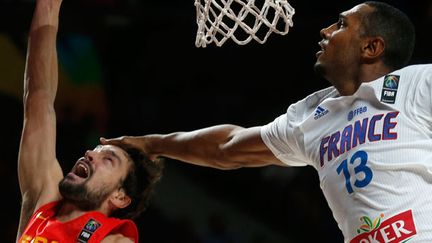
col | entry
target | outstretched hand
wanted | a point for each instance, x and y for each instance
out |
(124, 141)
(138, 142)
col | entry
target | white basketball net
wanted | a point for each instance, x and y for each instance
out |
(241, 20)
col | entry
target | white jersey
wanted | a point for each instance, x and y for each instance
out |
(372, 151)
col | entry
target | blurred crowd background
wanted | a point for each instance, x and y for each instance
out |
(130, 67)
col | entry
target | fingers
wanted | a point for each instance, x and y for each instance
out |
(102, 140)
(112, 141)
(119, 141)
(123, 141)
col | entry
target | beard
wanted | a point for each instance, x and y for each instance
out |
(80, 195)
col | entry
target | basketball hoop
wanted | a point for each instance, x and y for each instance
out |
(241, 20)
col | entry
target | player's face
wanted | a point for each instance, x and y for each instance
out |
(340, 53)
(95, 176)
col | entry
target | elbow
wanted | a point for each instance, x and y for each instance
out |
(226, 165)
(38, 103)
(37, 96)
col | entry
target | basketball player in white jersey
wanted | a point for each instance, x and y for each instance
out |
(369, 136)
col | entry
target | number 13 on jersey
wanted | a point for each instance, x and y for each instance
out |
(362, 173)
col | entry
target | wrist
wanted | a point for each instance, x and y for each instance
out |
(46, 14)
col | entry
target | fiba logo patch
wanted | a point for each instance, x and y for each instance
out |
(92, 225)
(390, 86)
(89, 228)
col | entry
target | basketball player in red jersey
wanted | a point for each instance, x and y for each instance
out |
(107, 187)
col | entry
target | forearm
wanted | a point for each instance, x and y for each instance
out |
(205, 147)
(222, 147)
(41, 71)
(37, 155)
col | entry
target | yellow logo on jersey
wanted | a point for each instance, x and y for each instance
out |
(37, 239)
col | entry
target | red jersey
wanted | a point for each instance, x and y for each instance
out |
(91, 227)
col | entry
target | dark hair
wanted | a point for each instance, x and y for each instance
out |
(397, 30)
(140, 183)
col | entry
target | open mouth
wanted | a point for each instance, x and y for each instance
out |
(82, 169)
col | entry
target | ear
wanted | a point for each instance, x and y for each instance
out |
(373, 48)
(119, 199)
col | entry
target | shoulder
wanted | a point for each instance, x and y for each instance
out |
(46, 210)
(320, 95)
(415, 75)
(117, 238)
(415, 68)
(110, 228)
(124, 228)
(30, 219)
(305, 106)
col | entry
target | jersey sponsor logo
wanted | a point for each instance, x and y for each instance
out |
(320, 112)
(372, 129)
(356, 112)
(390, 86)
(399, 228)
(90, 227)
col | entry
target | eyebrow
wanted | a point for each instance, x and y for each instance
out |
(113, 154)
(109, 152)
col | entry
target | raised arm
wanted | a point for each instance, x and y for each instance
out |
(38, 168)
(222, 147)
